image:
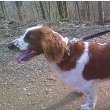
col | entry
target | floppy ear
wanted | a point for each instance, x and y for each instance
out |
(53, 47)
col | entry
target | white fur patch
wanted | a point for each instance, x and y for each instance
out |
(20, 43)
(33, 28)
(102, 44)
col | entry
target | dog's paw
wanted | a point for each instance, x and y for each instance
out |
(85, 107)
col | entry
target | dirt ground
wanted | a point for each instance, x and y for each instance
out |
(32, 85)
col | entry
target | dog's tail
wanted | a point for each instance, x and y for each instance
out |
(95, 35)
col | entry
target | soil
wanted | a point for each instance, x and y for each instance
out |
(32, 85)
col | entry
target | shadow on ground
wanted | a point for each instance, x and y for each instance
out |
(69, 97)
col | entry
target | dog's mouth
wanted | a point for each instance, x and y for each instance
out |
(26, 56)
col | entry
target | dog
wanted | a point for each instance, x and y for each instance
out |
(78, 64)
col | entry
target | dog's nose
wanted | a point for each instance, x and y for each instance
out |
(11, 46)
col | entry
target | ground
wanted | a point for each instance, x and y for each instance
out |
(32, 85)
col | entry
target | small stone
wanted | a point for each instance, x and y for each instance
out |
(21, 98)
(25, 89)
(51, 78)
(27, 76)
(28, 93)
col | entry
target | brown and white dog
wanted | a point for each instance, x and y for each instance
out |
(79, 64)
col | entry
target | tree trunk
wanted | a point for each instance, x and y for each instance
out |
(47, 10)
(36, 6)
(77, 6)
(88, 10)
(19, 8)
(2, 9)
(60, 9)
(42, 10)
(93, 11)
(83, 11)
(65, 9)
(100, 11)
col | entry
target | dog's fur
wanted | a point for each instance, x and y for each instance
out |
(79, 64)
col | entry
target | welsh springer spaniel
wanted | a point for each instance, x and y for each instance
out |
(78, 64)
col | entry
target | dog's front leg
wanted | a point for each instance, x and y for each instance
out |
(91, 96)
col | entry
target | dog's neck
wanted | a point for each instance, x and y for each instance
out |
(71, 56)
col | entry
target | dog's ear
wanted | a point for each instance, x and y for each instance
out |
(53, 46)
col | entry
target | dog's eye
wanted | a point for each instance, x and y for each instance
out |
(28, 38)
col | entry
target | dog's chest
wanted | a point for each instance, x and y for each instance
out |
(72, 77)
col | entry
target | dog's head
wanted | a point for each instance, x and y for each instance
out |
(40, 40)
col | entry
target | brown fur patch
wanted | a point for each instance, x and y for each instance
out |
(33, 38)
(53, 47)
(69, 62)
(98, 66)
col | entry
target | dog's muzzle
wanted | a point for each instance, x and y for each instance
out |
(11, 46)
